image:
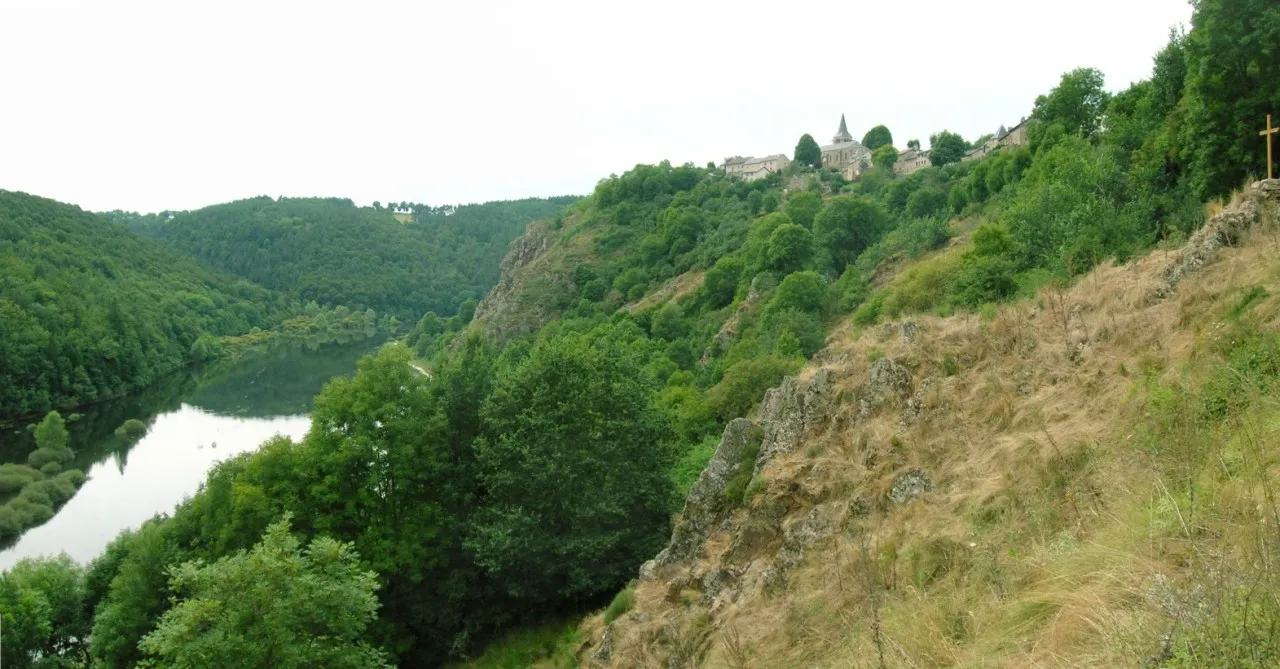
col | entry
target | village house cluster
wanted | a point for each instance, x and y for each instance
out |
(851, 158)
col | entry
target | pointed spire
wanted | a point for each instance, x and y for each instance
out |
(843, 135)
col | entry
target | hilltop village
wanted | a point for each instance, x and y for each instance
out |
(851, 157)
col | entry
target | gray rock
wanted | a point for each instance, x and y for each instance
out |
(886, 379)
(1225, 229)
(605, 652)
(800, 537)
(789, 411)
(705, 506)
(910, 485)
(910, 330)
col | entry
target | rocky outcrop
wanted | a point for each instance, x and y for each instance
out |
(706, 504)
(502, 313)
(788, 412)
(909, 486)
(1225, 229)
(886, 379)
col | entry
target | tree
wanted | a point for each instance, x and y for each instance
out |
(1076, 103)
(913, 144)
(808, 152)
(877, 137)
(885, 156)
(802, 206)
(754, 200)
(790, 248)
(803, 291)
(574, 466)
(848, 225)
(946, 147)
(52, 434)
(721, 281)
(1233, 64)
(276, 605)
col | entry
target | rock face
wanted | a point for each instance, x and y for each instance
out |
(500, 311)
(788, 412)
(885, 380)
(706, 504)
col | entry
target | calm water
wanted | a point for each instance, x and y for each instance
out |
(195, 420)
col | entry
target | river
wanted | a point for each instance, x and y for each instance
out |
(195, 419)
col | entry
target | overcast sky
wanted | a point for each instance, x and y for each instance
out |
(151, 106)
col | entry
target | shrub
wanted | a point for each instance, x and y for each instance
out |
(13, 477)
(43, 456)
(622, 602)
(50, 469)
(744, 384)
(690, 465)
(132, 429)
(803, 291)
(805, 328)
(924, 286)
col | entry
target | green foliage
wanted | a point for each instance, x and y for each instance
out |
(44, 624)
(622, 602)
(1232, 64)
(89, 310)
(690, 465)
(132, 429)
(808, 152)
(329, 251)
(877, 137)
(721, 281)
(276, 605)
(885, 157)
(801, 331)
(802, 207)
(575, 410)
(803, 291)
(946, 147)
(744, 384)
(1076, 104)
(847, 226)
(790, 248)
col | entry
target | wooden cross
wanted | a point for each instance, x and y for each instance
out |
(1267, 135)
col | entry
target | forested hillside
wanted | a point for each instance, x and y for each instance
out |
(89, 310)
(331, 252)
(539, 465)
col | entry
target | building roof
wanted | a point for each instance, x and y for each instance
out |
(840, 146)
(842, 135)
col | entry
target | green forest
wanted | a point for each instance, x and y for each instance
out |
(423, 517)
(89, 310)
(331, 252)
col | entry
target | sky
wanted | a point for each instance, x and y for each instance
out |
(177, 105)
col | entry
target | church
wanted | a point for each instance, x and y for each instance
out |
(846, 154)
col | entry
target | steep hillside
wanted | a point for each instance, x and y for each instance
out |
(1085, 478)
(331, 252)
(89, 310)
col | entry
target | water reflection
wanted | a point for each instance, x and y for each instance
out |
(195, 420)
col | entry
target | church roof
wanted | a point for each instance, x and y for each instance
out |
(839, 146)
(842, 135)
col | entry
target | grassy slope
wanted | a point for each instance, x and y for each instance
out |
(1079, 513)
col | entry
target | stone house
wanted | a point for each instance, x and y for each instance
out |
(752, 169)
(911, 160)
(1014, 137)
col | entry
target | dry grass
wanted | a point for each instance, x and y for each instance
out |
(1048, 534)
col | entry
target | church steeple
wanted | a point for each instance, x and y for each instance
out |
(843, 134)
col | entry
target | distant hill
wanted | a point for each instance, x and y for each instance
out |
(89, 310)
(333, 252)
